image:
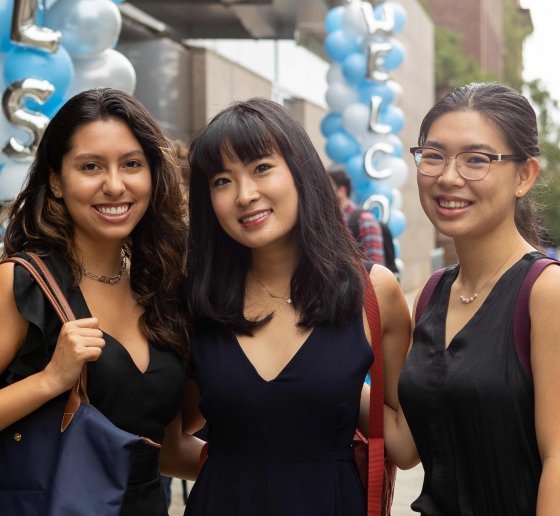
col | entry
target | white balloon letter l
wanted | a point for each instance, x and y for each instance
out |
(25, 31)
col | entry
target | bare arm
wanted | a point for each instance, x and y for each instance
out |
(180, 451)
(545, 363)
(79, 341)
(396, 333)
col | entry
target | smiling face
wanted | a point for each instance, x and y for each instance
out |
(459, 207)
(256, 203)
(105, 181)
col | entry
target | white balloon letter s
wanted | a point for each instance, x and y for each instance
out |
(13, 104)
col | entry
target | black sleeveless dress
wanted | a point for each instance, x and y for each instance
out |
(281, 447)
(139, 403)
(471, 407)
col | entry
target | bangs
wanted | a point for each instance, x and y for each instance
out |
(238, 135)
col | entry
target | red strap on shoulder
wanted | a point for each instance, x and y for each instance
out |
(376, 462)
(522, 318)
(426, 294)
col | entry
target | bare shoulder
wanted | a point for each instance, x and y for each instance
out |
(6, 278)
(546, 290)
(384, 281)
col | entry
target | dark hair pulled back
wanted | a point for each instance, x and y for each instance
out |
(326, 286)
(515, 118)
(156, 246)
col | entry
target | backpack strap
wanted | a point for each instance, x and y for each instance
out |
(426, 294)
(522, 317)
(376, 448)
(354, 222)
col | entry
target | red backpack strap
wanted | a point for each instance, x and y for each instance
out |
(376, 462)
(522, 318)
(426, 294)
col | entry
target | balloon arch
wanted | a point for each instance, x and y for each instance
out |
(49, 51)
(365, 119)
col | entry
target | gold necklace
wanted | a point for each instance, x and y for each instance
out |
(467, 300)
(287, 299)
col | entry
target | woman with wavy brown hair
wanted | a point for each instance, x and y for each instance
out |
(102, 204)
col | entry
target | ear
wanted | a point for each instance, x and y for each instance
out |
(528, 173)
(54, 183)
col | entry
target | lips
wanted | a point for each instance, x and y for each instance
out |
(112, 210)
(453, 204)
(254, 216)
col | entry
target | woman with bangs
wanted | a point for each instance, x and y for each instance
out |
(281, 345)
(102, 206)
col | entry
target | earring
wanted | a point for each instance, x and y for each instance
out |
(56, 193)
(520, 192)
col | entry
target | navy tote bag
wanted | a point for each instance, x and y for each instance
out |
(65, 458)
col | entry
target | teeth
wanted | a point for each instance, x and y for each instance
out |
(453, 204)
(112, 210)
(256, 217)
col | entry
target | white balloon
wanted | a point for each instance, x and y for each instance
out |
(355, 119)
(370, 138)
(12, 176)
(400, 171)
(353, 19)
(397, 199)
(398, 92)
(400, 266)
(340, 95)
(335, 74)
(108, 70)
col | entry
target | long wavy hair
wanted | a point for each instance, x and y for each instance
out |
(515, 118)
(157, 245)
(327, 284)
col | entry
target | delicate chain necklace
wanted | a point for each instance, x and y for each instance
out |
(287, 299)
(467, 300)
(108, 279)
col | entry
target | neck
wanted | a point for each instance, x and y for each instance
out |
(275, 264)
(102, 259)
(481, 257)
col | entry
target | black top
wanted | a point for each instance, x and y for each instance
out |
(139, 403)
(281, 447)
(471, 407)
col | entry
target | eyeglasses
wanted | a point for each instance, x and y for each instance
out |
(470, 165)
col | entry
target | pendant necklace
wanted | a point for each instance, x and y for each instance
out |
(467, 300)
(108, 279)
(287, 299)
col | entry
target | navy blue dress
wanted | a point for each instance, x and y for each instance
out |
(281, 447)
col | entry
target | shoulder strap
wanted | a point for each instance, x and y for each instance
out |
(48, 285)
(354, 222)
(426, 294)
(376, 452)
(522, 318)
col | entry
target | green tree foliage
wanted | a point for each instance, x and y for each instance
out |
(549, 140)
(516, 27)
(453, 68)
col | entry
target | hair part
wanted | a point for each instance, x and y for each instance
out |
(326, 286)
(516, 120)
(156, 246)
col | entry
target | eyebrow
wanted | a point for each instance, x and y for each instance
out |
(249, 161)
(89, 155)
(468, 148)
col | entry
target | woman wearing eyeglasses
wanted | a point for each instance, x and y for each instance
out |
(480, 386)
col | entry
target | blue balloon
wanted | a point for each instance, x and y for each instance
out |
(397, 223)
(6, 9)
(354, 68)
(397, 144)
(397, 248)
(118, 1)
(392, 116)
(368, 89)
(376, 187)
(331, 124)
(56, 68)
(355, 168)
(399, 12)
(333, 20)
(341, 147)
(395, 57)
(339, 44)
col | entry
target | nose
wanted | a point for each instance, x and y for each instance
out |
(114, 185)
(450, 175)
(247, 192)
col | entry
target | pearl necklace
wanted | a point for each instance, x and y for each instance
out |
(467, 300)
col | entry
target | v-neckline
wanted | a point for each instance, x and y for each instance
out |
(458, 337)
(286, 366)
(126, 352)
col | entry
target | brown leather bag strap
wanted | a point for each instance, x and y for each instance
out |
(48, 285)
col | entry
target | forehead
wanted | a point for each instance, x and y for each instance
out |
(463, 128)
(103, 134)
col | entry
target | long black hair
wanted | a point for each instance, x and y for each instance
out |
(515, 118)
(327, 284)
(156, 246)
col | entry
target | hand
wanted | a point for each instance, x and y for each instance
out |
(79, 341)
